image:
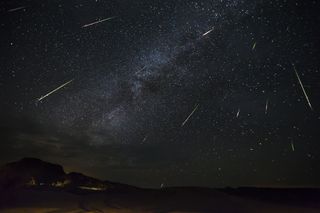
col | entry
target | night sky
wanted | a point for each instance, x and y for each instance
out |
(188, 93)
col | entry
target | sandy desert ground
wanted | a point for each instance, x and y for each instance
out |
(144, 201)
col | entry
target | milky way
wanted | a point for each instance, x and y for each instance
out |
(139, 75)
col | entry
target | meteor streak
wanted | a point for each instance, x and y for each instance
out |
(292, 146)
(145, 138)
(267, 103)
(302, 87)
(53, 91)
(254, 45)
(193, 111)
(98, 22)
(206, 33)
(141, 69)
(238, 113)
(16, 9)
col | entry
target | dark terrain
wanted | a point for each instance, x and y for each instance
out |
(32, 185)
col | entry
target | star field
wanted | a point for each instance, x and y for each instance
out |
(200, 93)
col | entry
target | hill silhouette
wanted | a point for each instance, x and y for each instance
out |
(33, 172)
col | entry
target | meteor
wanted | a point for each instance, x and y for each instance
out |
(206, 33)
(145, 138)
(193, 111)
(140, 69)
(238, 113)
(254, 45)
(98, 22)
(16, 9)
(53, 91)
(267, 103)
(302, 87)
(292, 146)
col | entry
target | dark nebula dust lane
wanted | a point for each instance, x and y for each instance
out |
(150, 93)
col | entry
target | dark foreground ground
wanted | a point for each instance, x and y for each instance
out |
(165, 200)
(34, 186)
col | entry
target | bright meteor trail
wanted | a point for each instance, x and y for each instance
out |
(206, 33)
(185, 121)
(16, 9)
(53, 91)
(98, 22)
(238, 113)
(302, 87)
